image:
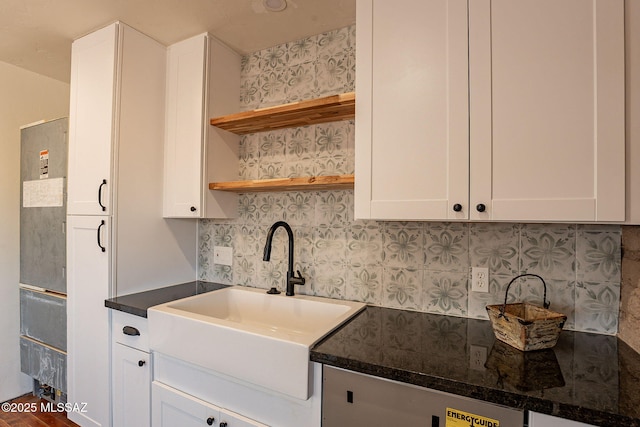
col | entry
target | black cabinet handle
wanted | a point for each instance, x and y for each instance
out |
(104, 182)
(141, 363)
(223, 424)
(457, 207)
(99, 241)
(130, 330)
(192, 209)
(480, 207)
(210, 421)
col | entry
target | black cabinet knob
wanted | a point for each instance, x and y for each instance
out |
(480, 207)
(141, 363)
(457, 207)
(210, 421)
(192, 209)
(223, 424)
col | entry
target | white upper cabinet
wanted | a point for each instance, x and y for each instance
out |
(203, 79)
(412, 125)
(91, 120)
(547, 109)
(490, 110)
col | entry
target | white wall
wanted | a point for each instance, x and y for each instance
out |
(25, 97)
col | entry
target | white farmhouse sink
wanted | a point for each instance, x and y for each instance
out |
(248, 334)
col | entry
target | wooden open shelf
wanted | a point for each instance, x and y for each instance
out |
(322, 110)
(308, 183)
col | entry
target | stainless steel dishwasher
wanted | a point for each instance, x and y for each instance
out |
(351, 399)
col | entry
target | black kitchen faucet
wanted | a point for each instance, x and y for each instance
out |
(292, 280)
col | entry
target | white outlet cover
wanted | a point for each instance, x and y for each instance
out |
(222, 255)
(480, 279)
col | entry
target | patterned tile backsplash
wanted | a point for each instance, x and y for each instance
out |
(422, 266)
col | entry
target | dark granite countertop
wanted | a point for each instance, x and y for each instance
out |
(138, 303)
(586, 377)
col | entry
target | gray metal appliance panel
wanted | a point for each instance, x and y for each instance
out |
(42, 234)
(353, 399)
(43, 363)
(43, 317)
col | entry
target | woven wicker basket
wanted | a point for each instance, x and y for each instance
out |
(526, 326)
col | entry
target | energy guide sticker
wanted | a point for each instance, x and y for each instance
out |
(456, 418)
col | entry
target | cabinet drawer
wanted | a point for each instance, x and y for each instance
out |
(127, 326)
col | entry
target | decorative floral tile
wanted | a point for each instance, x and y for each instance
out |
(364, 284)
(271, 167)
(402, 288)
(331, 73)
(403, 244)
(330, 280)
(250, 93)
(273, 87)
(495, 246)
(332, 138)
(330, 245)
(447, 246)
(245, 272)
(300, 82)
(273, 58)
(248, 240)
(270, 207)
(250, 65)
(332, 207)
(365, 243)
(597, 307)
(334, 43)
(303, 249)
(300, 144)
(300, 207)
(302, 51)
(599, 256)
(247, 209)
(326, 164)
(351, 146)
(445, 293)
(548, 250)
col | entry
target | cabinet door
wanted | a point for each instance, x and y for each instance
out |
(131, 387)
(547, 109)
(412, 130)
(184, 137)
(172, 408)
(88, 253)
(91, 120)
(203, 78)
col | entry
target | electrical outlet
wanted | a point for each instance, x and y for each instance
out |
(480, 279)
(477, 357)
(222, 255)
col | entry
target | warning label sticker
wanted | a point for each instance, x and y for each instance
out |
(456, 418)
(44, 164)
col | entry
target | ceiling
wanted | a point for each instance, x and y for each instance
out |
(37, 34)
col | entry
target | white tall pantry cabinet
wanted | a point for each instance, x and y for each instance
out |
(117, 241)
(490, 110)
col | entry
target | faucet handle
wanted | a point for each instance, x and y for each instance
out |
(299, 280)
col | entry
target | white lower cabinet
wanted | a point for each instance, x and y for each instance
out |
(172, 407)
(132, 367)
(542, 420)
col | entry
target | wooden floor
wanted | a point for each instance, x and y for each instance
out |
(32, 419)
